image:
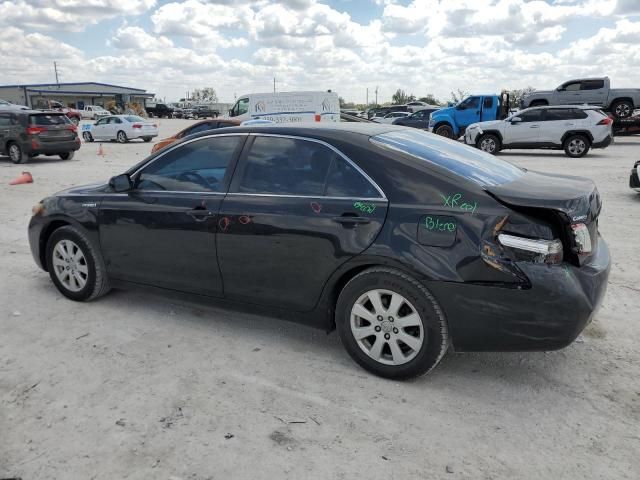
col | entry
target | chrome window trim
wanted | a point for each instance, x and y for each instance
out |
(332, 148)
(325, 197)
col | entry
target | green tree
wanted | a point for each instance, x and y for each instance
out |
(399, 98)
(430, 99)
(457, 97)
(518, 94)
(205, 95)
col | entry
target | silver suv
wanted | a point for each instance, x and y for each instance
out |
(574, 128)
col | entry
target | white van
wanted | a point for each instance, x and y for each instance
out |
(286, 107)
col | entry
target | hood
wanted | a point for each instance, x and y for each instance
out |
(576, 197)
(443, 112)
(486, 125)
(92, 188)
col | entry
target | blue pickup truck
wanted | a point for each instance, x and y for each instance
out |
(451, 122)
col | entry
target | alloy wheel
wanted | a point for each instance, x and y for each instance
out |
(122, 137)
(488, 145)
(622, 110)
(70, 265)
(576, 146)
(387, 327)
(15, 154)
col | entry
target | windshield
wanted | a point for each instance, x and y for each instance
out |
(470, 163)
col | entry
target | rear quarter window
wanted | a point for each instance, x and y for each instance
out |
(467, 162)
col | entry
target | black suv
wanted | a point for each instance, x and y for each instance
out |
(204, 111)
(27, 133)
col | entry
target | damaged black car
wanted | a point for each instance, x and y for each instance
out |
(405, 242)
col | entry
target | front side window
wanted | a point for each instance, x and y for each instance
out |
(469, 163)
(572, 87)
(241, 107)
(471, 102)
(531, 115)
(198, 166)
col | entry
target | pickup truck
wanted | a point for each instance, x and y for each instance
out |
(451, 122)
(158, 110)
(204, 111)
(93, 112)
(593, 91)
(71, 113)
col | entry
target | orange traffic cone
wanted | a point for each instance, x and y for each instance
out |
(24, 178)
(101, 151)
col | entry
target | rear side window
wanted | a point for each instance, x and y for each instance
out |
(5, 120)
(488, 102)
(592, 85)
(198, 166)
(469, 163)
(287, 166)
(556, 114)
(44, 120)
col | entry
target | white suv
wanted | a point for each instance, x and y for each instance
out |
(574, 128)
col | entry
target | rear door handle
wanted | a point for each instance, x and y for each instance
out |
(351, 220)
(534, 126)
(200, 214)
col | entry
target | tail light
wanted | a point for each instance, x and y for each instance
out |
(136, 125)
(72, 127)
(605, 121)
(582, 237)
(35, 130)
(541, 251)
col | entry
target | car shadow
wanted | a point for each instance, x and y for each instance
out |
(31, 161)
(557, 154)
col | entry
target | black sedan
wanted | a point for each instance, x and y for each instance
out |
(406, 242)
(419, 119)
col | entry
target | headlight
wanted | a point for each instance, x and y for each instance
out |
(537, 251)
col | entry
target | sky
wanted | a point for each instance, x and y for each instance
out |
(169, 47)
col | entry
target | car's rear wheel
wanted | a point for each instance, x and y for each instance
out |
(121, 137)
(75, 265)
(489, 143)
(146, 139)
(391, 324)
(16, 154)
(87, 136)
(576, 146)
(622, 108)
(75, 120)
(66, 155)
(444, 131)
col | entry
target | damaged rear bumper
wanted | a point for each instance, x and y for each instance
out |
(550, 315)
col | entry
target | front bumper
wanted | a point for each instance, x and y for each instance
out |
(36, 225)
(550, 315)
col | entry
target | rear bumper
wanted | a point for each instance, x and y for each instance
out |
(151, 134)
(604, 143)
(550, 315)
(51, 148)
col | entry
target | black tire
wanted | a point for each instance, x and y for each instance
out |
(87, 136)
(195, 116)
(67, 155)
(622, 108)
(150, 114)
(444, 131)
(539, 103)
(75, 121)
(435, 337)
(576, 146)
(489, 143)
(97, 283)
(147, 139)
(16, 155)
(121, 137)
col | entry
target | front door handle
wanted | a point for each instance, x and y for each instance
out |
(200, 214)
(534, 126)
(351, 220)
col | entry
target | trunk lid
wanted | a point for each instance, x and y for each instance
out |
(571, 201)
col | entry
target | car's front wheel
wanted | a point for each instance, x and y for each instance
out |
(75, 121)
(16, 154)
(391, 324)
(576, 146)
(444, 131)
(146, 139)
(75, 266)
(66, 155)
(489, 143)
(87, 136)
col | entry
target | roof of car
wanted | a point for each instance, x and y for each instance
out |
(312, 129)
(581, 107)
(33, 112)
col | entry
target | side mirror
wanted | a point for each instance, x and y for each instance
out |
(516, 120)
(121, 183)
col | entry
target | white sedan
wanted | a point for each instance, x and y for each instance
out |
(390, 117)
(121, 128)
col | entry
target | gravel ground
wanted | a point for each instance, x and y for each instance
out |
(141, 386)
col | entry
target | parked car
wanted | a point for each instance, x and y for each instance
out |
(391, 117)
(574, 128)
(71, 113)
(121, 128)
(382, 111)
(94, 111)
(27, 133)
(178, 112)
(451, 122)
(634, 179)
(198, 127)
(159, 110)
(593, 91)
(288, 107)
(419, 119)
(4, 105)
(405, 242)
(204, 111)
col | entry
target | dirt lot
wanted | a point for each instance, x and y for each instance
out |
(140, 386)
